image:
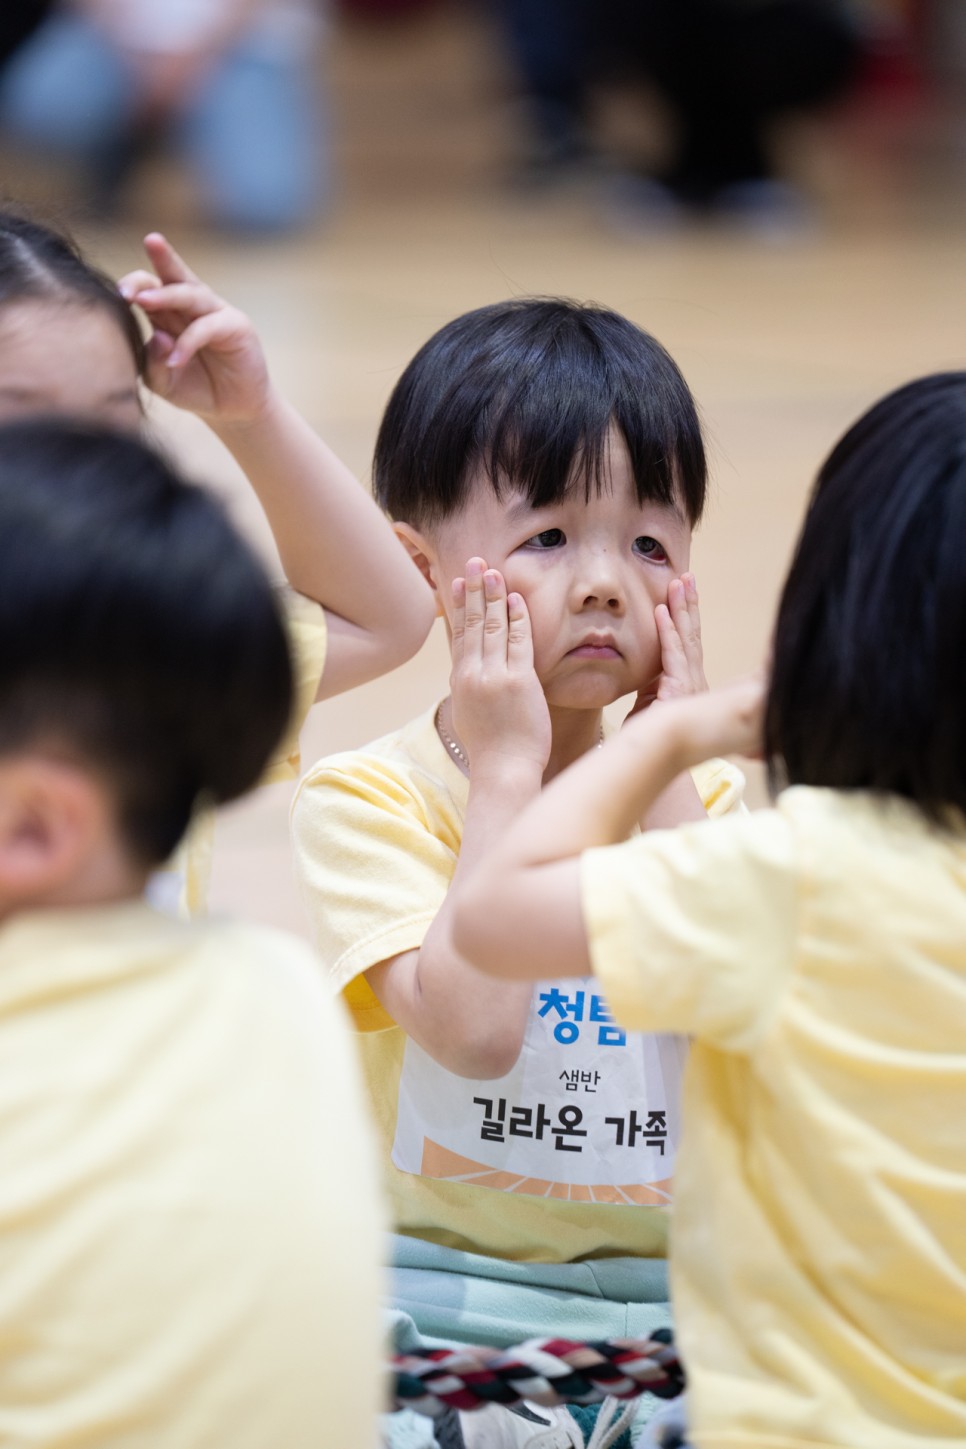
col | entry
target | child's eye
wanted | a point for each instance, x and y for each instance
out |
(549, 538)
(649, 548)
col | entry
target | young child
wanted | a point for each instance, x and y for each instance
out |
(815, 952)
(556, 447)
(70, 344)
(189, 1182)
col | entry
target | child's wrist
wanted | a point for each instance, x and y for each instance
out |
(694, 731)
(499, 769)
(263, 414)
(673, 730)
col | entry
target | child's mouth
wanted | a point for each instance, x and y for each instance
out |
(593, 649)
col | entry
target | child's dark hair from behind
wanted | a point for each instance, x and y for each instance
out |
(526, 389)
(868, 686)
(38, 263)
(138, 634)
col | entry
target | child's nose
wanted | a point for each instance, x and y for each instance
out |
(599, 583)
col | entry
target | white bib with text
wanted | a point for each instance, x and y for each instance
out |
(589, 1113)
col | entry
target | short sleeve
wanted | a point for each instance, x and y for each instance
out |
(373, 869)
(308, 636)
(693, 930)
(180, 886)
(721, 786)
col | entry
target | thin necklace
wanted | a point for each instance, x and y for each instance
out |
(458, 752)
(447, 738)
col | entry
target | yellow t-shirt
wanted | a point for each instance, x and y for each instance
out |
(527, 1167)
(817, 952)
(181, 886)
(190, 1225)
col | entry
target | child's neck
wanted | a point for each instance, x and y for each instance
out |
(108, 878)
(574, 732)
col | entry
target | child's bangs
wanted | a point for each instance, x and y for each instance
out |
(551, 449)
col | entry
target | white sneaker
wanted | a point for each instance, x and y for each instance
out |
(496, 1427)
(668, 1429)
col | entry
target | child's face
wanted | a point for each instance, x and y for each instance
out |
(591, 573)
(68, 360)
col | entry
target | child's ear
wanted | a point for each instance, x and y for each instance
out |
(51, 814)
(423, 554)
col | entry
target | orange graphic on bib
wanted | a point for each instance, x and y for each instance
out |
(446, 1166)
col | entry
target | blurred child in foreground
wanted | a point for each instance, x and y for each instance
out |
(188, 1178)
(814, 951)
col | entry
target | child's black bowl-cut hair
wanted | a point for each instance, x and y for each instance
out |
(139, 636)
(528, 390)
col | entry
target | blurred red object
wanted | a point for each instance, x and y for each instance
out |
(892, 68)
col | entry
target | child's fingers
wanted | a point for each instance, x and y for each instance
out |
(519, 634)
(495, 618)
(693, 605)
(686, 616)
(190, 299)
(667, 631)
(143, 289)
(673, 658)
(159, 347)
(203, 332)
(459, 620)
(157, 373)
(160, 344)
(169, 266)
(678, 607)
(693, 643)
(474, 615)
(133, 283)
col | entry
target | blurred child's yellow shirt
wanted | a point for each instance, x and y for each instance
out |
(182, 885)
(189, 1221)
(817, 953)
(527, 1167)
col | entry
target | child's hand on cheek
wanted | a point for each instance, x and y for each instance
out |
(498, 706)
(682, 657)
(203, 354)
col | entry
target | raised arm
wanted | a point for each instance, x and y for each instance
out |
(472, 1026)
(519, 915)
(335, 544)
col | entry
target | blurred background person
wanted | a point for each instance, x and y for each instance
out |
(724, 70)
(234, 85)
(18, 18)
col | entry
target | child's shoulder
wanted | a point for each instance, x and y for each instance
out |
(130, 958)
(411, 755)
(405, 774)
(845, 832)
(267, 981)
(256, 958)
